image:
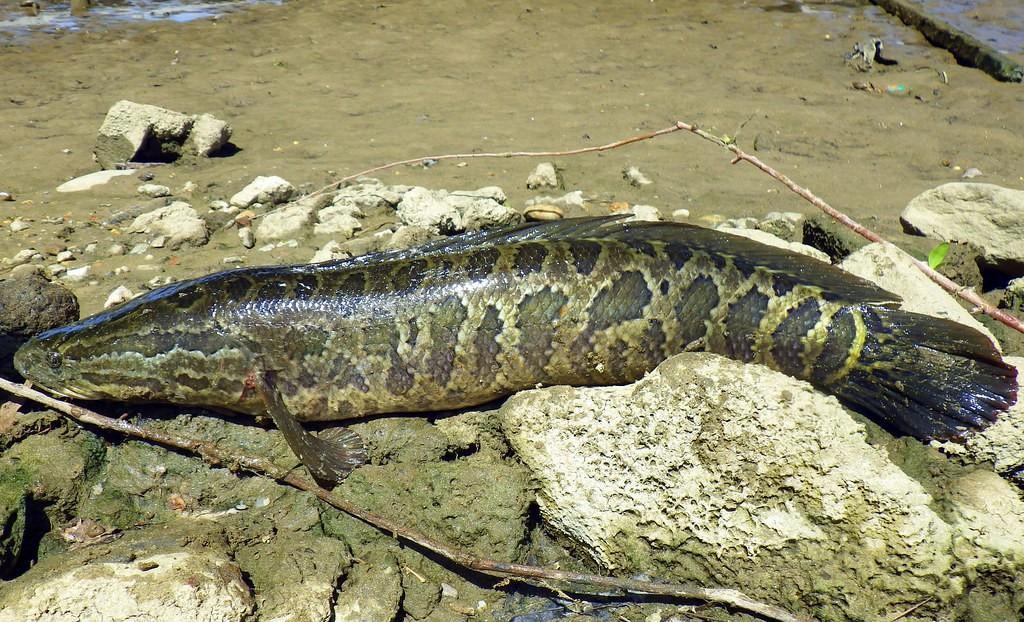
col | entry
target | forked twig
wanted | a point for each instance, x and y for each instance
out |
(216, 456)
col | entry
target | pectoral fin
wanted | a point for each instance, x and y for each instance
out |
(328, 460)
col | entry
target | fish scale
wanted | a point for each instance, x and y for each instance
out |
(463, 321)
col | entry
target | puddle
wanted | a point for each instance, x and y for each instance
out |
(19, 22)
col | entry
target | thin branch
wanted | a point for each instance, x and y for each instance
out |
(219, 457)
(950, 286)
(507, 154)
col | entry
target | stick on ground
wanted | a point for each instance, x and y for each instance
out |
(538, 575)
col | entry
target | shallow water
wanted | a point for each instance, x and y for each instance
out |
(17, 22)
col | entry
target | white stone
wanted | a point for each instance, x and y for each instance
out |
(266, 190)
(988, 216)
(681, 213)
(894, 271)
(635, 177)
(246, 237)
(208, 135)
(572, 199)
(154, 191)
(120, 295)
(23, 256)
(64, 256)
(370, 196)
(285, 222)
(329, 252)
(716, 472)
(338, 219)
(128, 126)
(426, 208)
(178, 221)
(766, 238)
(91, 180)
(544, 176)
(645, 212)
(483, 208)
(78, 274)
(19, 225)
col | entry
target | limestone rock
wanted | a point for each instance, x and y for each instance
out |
(408, 236)
(712, 471)
(764, 237)
(132, 131)
(544, 176)
(483, 208)
(178, 221)
(338, 219)
(264, 190)
(329, 252)
(209, 134)
(893, 270)
(635, 177)
(370, 196)
(154, 191)
(987, 215)
(286, 222)
(91, 180)
(427, 208)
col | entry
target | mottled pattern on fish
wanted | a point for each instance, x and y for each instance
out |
(580, 302)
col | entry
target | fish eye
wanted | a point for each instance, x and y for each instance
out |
(54, 359)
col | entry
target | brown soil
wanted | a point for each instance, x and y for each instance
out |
(322, 88)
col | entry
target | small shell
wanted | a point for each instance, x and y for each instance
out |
(544, 211)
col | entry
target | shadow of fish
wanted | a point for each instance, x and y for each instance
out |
(464, 320)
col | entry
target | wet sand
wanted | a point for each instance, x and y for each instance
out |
(319, 89)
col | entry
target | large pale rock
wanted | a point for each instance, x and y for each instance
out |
(989, 216)
(132, 129)
(178, 221)
(893, 270)
(264, 190)
(370, 196)
(544, 176)
(288, 222)
(712, 471)
(483, 208)
(209, 134)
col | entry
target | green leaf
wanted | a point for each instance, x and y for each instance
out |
(937, 254)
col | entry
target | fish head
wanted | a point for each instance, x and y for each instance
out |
(151, 349)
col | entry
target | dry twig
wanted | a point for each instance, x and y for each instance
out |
(216, 456)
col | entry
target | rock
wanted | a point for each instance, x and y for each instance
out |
(989, 216)
(421, 207)
(75, 275)
(25, 270)
(295, 575)
(64, 256)
(264, 190)
(680, 214)
(146, 575)
(370, 196)
(720, 473)
(329, 252)
(645, 212)
(19, 225)
(484, 208)
(1013, 295)
(209, 134)
(91, 180)
(766, 238)
(338, 220)
(971, 173)
(25, 255)
(783, 225)
(31, 305)
(569, 200)
(140, 133)
(154, 191)
(835, 240)
(893, 270)
(408, 236)
(544, 176)
(1002, 443)
(120, 295)
(246, 237)
(285, 222)
(635, 177)
(178, 221)
(372, 592)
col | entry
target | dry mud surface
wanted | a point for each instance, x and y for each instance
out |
(318, 89)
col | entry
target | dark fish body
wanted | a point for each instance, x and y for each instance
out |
(580, 302)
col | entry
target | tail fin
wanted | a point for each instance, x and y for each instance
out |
(924, 376)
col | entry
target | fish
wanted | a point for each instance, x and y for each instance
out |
(468, 319)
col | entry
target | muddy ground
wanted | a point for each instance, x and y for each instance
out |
(319, 89)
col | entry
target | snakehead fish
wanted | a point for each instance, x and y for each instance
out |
(461, 321)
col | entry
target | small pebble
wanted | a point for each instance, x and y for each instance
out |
(77, 274)
(115, 249)
(681, 213)
(139, 249)
(261, 502)
(147, 267)
(188, 187)
(246, 236)
(6, 196)
(121, 270)
(19, 225)
(449, 591)
(635, 177)
(154, 191)
(120, 295)
(159, 241)
(233, 259)
(65, 256)
(971, 173)
(56, 269)
(91, 248)
(219, 204)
